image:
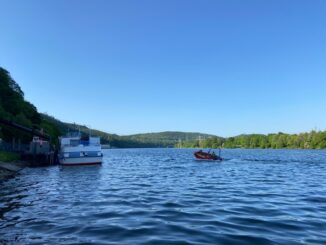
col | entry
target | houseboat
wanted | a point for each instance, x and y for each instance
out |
(77, 150)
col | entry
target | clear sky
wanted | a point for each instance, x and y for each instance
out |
(222, 67)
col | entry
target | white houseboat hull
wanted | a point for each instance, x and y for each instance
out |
(74, 151)
(81, 161)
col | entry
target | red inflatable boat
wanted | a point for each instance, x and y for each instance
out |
(200, 155)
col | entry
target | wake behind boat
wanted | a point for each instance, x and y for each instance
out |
(75, 150)
(208, 156)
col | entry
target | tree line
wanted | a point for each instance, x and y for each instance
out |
(311, 140)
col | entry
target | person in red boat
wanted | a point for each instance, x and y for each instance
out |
(213, 154)
(201, 155)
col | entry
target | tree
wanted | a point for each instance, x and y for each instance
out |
(13, 107)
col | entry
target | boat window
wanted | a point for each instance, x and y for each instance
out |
(74, 142)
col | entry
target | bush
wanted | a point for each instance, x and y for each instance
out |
(8, 156)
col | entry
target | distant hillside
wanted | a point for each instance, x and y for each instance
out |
(63, 128)
(161, 139)
(165, 139)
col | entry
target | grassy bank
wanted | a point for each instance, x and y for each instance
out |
(8, 156)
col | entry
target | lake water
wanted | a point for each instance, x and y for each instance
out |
(164, 196)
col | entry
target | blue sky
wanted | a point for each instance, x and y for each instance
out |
(222, 67)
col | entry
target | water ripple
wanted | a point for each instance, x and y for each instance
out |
(163, 196)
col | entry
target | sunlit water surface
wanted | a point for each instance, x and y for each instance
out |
(164, 196)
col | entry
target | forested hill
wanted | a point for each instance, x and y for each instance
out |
(165, 139)
(161, 139)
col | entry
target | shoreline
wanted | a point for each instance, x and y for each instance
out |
(10, 169)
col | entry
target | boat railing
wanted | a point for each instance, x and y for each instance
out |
(81, 142)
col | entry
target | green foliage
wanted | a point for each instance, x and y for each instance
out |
(312, 140)
(51, 129)
(209, 142)
(56, 128)
(13, 107)
(8, 156)
(163, 139)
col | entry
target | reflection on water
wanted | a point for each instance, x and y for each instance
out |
(150, 196)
